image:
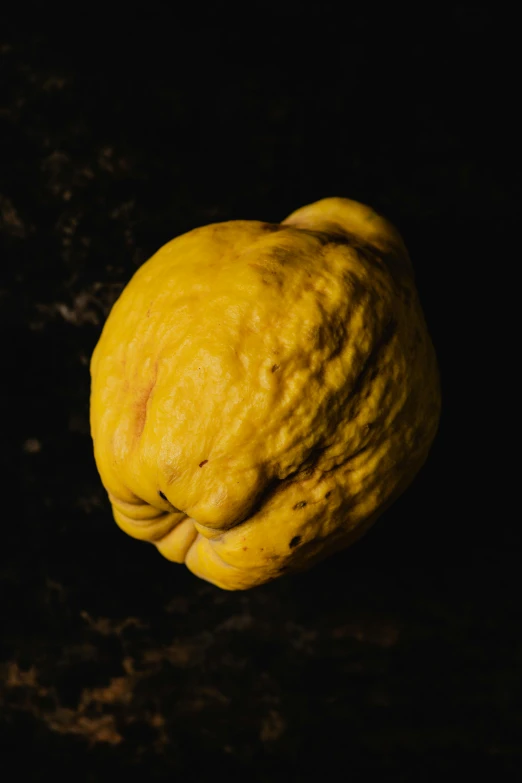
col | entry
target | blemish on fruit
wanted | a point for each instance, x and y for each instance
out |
(295, 541)
(301, 504)
(203, 463)
(275, 368)
(328, 494)
(160, 493)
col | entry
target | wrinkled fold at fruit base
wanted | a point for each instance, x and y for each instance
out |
(261, 392)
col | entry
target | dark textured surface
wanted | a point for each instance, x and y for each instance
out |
(398, 660)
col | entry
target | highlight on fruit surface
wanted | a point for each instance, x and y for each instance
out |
(262, 392)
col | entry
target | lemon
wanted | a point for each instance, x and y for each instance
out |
(261, 392)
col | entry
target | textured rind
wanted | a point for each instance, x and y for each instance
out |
(276, 382)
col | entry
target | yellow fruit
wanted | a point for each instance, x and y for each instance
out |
(262, 392)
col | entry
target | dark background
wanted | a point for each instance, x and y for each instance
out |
(398, 660)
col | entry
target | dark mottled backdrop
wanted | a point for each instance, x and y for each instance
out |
(399, 660)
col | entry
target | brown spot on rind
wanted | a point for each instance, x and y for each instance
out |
(203, 463)
(295, 541)
(301, 504)
(327, 495)
(142, 402)
(275, 367)
(140, 409)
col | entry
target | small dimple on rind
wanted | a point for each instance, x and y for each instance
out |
(172, 507)
(370, 368)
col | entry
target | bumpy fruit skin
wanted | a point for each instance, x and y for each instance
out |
(262, 392)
